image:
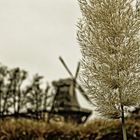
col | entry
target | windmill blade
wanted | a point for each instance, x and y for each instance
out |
(80, 88)
(74, 78)
(83, 93)
(87, 98)
(64, 64)
(77, 71)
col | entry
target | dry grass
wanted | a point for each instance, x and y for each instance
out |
(23, 129)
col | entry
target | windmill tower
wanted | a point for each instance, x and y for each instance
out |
(65, 103)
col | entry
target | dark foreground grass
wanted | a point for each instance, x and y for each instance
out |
(23, 129)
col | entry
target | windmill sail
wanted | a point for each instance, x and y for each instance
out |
(76, 84)
(65, 101)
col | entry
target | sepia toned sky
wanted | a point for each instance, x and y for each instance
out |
(34, 33)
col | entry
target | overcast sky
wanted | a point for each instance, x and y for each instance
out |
(34, 33)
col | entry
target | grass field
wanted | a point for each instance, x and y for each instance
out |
(25, 129)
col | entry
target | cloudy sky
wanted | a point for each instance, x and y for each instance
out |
(34, 33)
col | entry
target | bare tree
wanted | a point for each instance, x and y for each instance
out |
(18, 97)
(35, 96)
(16, 79)
(3, 73)
(108, 36)
(46, 97)
(6, 99)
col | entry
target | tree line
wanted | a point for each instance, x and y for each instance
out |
(19, 95)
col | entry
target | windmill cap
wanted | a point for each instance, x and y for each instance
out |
(62, 82)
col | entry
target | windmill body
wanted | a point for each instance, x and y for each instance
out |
(65, 103)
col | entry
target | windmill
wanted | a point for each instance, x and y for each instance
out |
(65, 103)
